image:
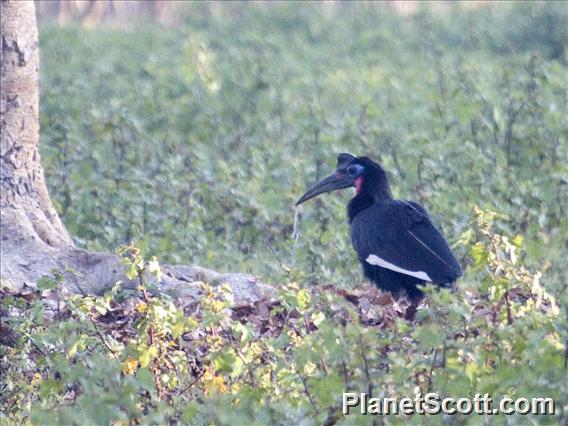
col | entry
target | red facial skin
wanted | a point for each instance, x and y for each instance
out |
(358, 183)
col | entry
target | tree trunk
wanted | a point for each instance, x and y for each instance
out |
(24, 192)
(34, 241)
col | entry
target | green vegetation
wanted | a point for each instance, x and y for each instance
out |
(115, 359)
(195, 142)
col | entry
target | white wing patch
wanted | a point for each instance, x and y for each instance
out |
(377, 261)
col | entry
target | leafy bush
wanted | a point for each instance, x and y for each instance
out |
(102, 360)
(197, 140)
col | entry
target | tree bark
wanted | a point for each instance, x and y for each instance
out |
(33, 240)
(24, 192)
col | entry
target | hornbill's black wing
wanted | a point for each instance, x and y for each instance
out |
(400, 236)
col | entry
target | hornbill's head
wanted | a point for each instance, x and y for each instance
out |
(360, 172)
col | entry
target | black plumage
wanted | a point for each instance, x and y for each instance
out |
(396, 242)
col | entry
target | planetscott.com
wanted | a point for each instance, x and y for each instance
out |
(433, 404)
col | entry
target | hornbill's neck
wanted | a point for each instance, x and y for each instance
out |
(372, 188)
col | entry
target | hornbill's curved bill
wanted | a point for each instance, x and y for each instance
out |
(338, 180)
(396, 242)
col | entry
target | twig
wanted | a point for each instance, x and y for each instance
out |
(234, 347)
(508, 306)
(366, 369)
(35, 345)
(323, 366)
(155, 369)
(388, 143)
(417, 379)
(197, 379)
(308, 394)
(508, 137)
(345, 378)
(432, 369)
(102, 337)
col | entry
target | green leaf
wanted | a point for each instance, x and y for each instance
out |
(479, 254)
(190, 411)
(429, 336)
(45, 283)
(145, 379)
(303, 298)
(131, 273)
(518, 241)
(327, 389)
(318, 318)
(471, 371)
(178, 328)
(72, 351)
(147, 355)
(225, 361)
(154, 268)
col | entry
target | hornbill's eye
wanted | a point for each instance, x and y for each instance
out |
(355, 170)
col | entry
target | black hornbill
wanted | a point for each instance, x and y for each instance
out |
(396, 241)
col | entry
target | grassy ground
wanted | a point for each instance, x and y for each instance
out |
(196, 142)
